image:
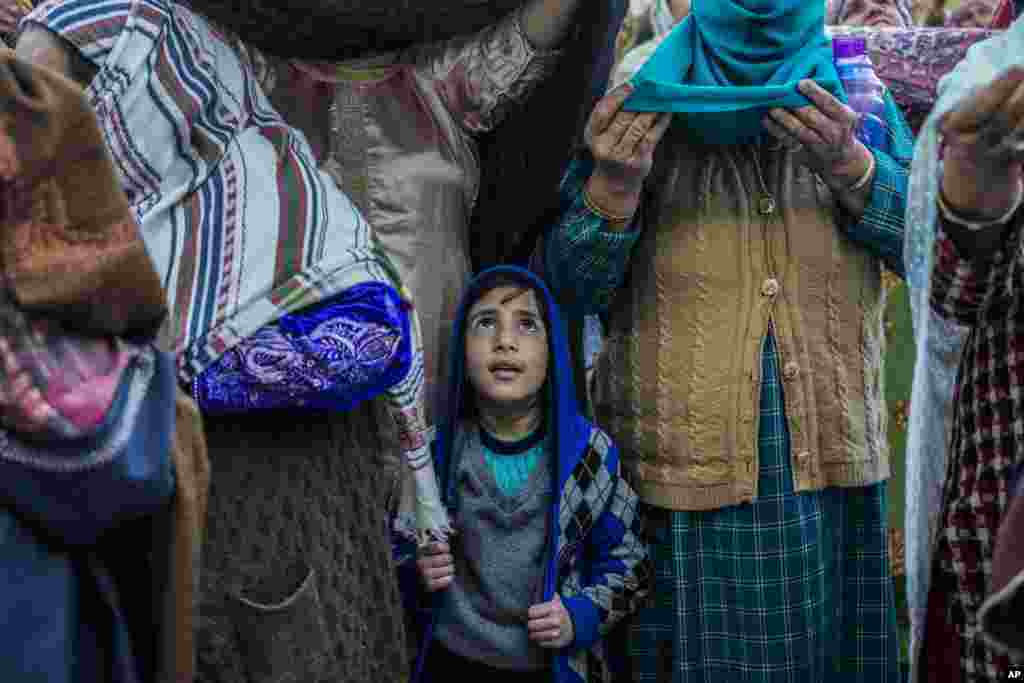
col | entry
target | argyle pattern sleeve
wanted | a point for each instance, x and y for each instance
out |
(599, 519)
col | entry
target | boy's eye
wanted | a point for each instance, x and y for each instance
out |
(530, 325)
(484, 322)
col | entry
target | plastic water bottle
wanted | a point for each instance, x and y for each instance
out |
(864, 89)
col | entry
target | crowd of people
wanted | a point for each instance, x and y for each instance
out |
(285, 396)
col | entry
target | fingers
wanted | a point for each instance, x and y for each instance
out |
(650, 141)
(541, 611)
(798, 126)
(825, 101)
(549, 624)
(977, 109)
(546, 636)
(435, 548)
(633, 134)
(436, 565)
(605, 110)
(21, 402)
(780, 133)
(988, 130)
(620, 125)
(545, 625)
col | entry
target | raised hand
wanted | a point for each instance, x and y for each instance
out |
(822, 134)
(983, 148)
(622, 144)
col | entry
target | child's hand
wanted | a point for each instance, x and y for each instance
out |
(550, 624)
(436, 565)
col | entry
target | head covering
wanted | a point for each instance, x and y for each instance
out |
(939, 341)
(568, 430)
(730, 61)
(871, 13)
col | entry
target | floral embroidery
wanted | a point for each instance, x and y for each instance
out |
(330, 357)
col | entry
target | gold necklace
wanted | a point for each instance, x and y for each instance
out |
(766, 204)
(767, 207)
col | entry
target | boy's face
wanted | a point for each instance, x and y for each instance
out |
(506, 347)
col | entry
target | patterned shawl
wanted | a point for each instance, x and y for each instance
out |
(939, 342)
(241, 224)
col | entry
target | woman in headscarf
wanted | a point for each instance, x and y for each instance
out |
(742, 374)
(963, 260)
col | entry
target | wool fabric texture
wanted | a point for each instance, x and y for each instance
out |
(730, 61)
(499, 563)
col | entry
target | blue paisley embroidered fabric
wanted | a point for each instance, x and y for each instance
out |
(331, 356)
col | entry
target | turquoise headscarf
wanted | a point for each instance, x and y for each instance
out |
(730, 61)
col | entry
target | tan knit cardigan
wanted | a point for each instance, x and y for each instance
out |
(679, 385)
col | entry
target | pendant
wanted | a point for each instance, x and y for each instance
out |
(766, 205)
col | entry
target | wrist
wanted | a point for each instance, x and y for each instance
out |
(611, 198)
(980, 194)
(853, 173)
(974, 221)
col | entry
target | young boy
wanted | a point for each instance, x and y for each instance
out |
(547, 555)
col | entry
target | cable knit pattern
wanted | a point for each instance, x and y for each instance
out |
(296, 528)
(708, 267)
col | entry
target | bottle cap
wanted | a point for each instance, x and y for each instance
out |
(845, 47)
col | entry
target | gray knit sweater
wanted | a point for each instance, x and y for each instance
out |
(499, 562)
(298, 580)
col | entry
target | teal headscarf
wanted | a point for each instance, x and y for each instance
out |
(730, 61)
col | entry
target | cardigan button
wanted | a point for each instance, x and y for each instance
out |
(790, 371)
(770, 288)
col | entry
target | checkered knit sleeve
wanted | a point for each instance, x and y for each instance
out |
(620, 572)
(880, 228)
(581, 259)
(962, 287)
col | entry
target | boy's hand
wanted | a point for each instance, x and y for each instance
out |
(550, 625)
(436, 565)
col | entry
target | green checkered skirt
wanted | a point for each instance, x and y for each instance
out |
(793, 588)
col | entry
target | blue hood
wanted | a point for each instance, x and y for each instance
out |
(566, 426)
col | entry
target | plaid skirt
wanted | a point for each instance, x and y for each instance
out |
(792, 588)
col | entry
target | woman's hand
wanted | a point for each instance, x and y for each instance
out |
(984, 149)
(823, 135)
(622, 144)
(436, 565)
(550, 625)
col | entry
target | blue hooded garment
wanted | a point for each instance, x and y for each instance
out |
(597, 530)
